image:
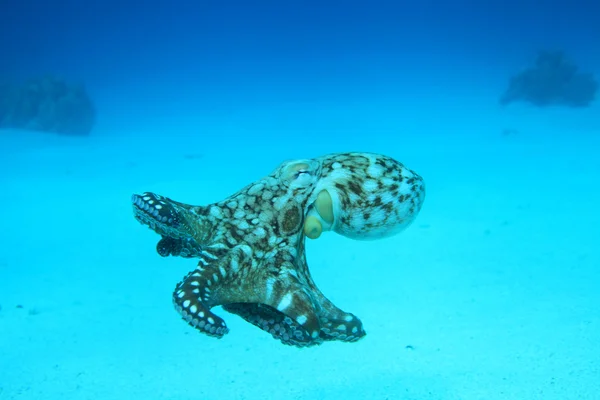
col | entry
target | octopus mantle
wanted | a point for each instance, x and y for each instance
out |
(251, 246)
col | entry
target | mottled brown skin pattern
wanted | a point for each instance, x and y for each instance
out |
(251, 246)
(377, 196)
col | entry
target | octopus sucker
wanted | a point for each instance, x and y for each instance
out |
(251, 246)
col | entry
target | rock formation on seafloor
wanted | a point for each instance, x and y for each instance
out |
(47, 104)
(553, 80)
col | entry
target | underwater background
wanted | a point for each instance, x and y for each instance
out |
(492, 293)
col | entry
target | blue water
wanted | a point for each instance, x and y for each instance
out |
(492, 293)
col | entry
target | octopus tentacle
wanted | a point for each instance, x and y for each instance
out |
(282, 307)
(336, 324)
(182, 227)
(284, 312)
(161, 214)
(339, 325)
(167, 217)
(186, 248)
(208, 286)
(278, 324)
(190, 299)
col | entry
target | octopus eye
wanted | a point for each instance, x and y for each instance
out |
(303, 177)
(299, 173)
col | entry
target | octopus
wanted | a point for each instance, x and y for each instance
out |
(250, 247)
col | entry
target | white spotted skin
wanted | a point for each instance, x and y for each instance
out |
(374, 196)
(251, 245)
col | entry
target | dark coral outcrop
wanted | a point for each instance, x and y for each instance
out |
(553, 80)
(47, 104)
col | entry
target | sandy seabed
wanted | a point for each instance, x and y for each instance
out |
(493, 293)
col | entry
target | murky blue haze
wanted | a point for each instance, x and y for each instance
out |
(491, 293)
